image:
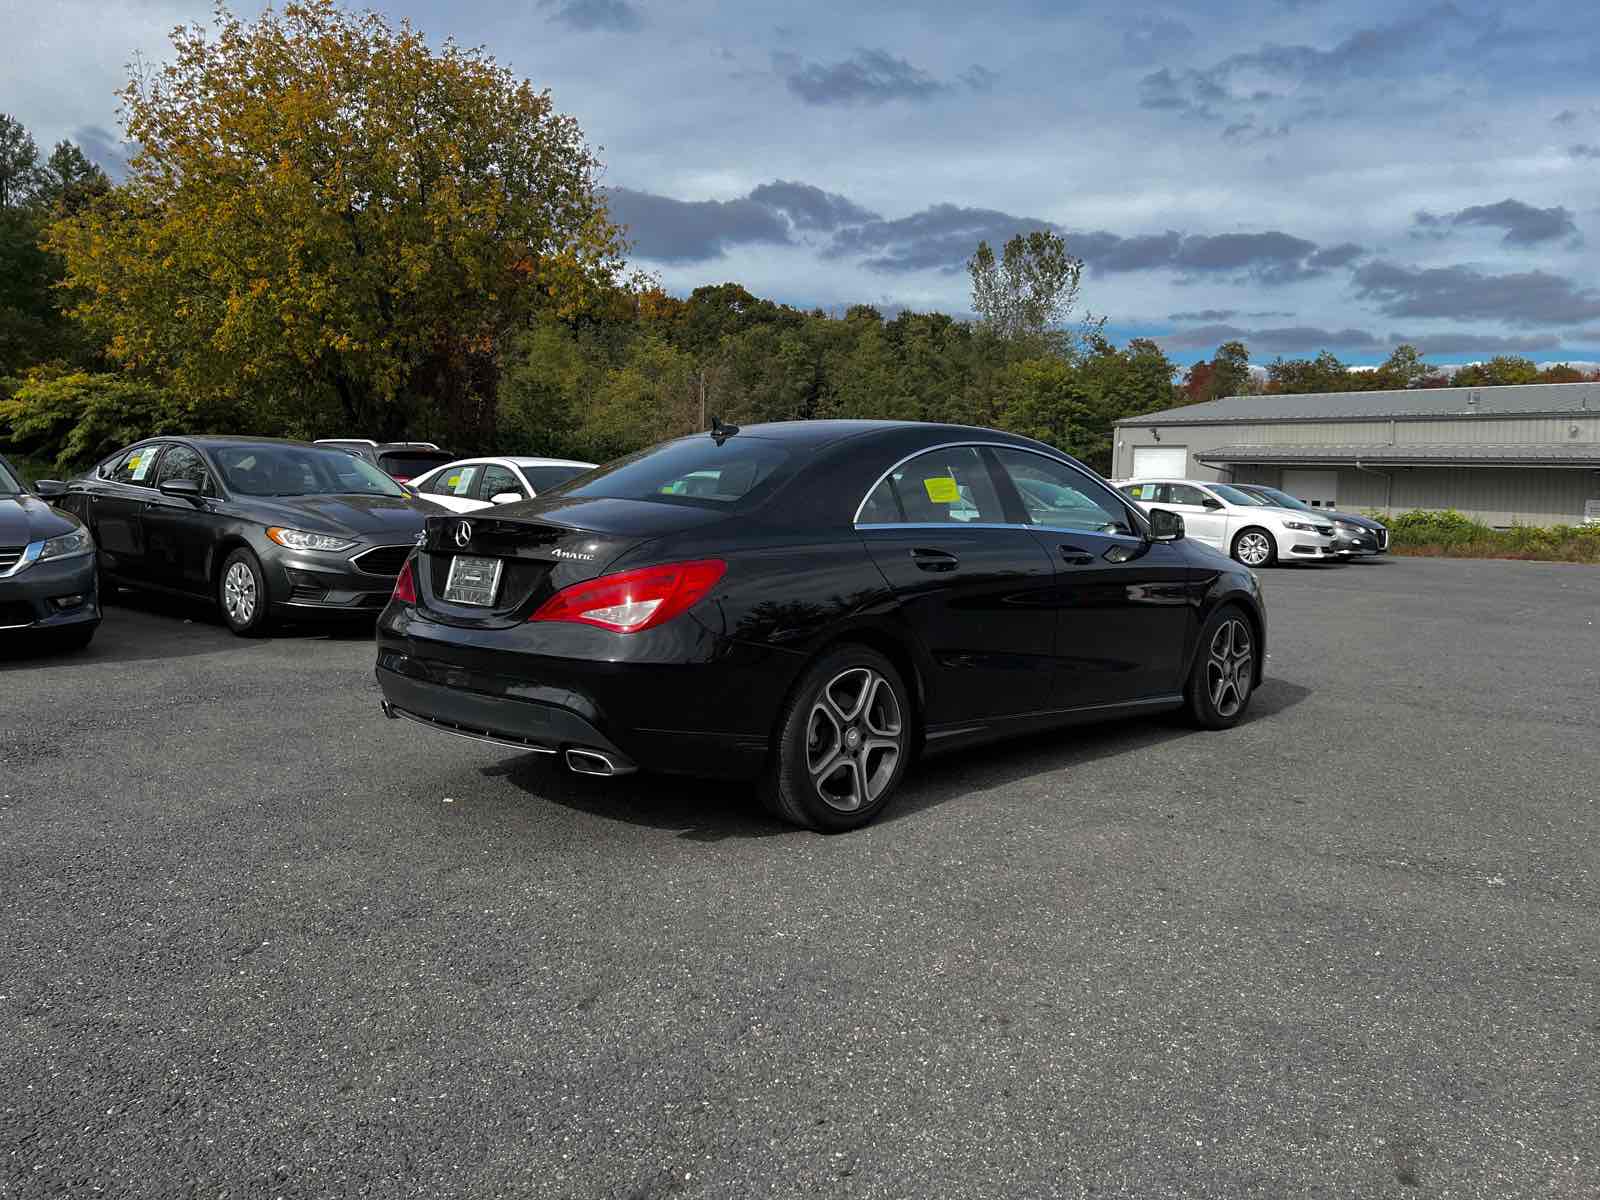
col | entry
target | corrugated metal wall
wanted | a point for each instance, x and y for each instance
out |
(1500, 496)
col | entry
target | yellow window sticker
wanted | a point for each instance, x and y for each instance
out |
(142, 464)
(942, 489)
(452, 481)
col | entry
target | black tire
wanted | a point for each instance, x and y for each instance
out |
(247, 612)
(843, 786)
(1220, 685)
(1239, 540)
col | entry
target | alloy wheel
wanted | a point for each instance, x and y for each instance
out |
(854, 739)
(1230, 667)
(1254, 549)
(239, 594)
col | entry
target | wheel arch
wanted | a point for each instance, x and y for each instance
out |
(1246, 604)
(1272, 536)
(887, 643)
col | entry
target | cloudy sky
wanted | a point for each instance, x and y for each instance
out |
(1304, 174)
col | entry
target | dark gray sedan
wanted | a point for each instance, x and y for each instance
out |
(1357, 535)
(265, 528)
(47, 568)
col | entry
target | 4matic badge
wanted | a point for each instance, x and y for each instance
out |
(559, 553)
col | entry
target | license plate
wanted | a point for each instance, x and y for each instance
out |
(472, 580)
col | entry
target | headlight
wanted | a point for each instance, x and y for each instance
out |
(299, 539)
(1300, 525)
(68, 545)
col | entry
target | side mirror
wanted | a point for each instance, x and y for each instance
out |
(1165, 525)
(505, 498)
(182, 489)
(47, 488)
(1211, 503)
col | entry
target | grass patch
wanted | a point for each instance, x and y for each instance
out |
(1450, 534)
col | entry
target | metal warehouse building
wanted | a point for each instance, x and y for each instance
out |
(1528, 454)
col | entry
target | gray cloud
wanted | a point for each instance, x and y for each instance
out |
(1584, 150)
(1341, 255)
(1291, 339)
(941, 237)
(1564, 118)
(1205, 314)
(866, 77)
(1276, 71)
(589, 16)
(979, 78)
(1523, 224)
(679, 231)
(1522, 299)
(104, 150)
(1147, 39)
(810, 208)
(1476, 343)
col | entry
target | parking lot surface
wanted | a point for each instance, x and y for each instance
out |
(259, 941)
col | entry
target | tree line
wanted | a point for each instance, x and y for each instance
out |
(330, 227)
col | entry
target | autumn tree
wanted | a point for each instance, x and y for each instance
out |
(1031, 288)
(330, 226)
(1227, 374)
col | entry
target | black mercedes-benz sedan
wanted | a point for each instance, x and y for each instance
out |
(812, 605)
(265, 528)
(1356, 535)
(47, 569)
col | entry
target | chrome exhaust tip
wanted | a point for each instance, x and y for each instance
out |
(589, 762)
(388, 710)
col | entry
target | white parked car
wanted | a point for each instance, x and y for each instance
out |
(1256, 533)
(474, 483)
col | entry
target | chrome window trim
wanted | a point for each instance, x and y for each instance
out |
(1073, 467)
(957, 526)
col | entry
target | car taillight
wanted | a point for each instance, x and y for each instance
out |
(633, 601)
(405, 585)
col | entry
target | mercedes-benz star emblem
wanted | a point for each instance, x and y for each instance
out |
(463, 533)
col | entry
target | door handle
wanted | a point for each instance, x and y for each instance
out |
(1077, 557)
(934, 560)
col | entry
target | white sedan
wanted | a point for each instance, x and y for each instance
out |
(474, 483)
(1256, 533)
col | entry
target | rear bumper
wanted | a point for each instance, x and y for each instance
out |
(699, 705)
(37, 597)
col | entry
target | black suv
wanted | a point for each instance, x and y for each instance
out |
(401, 461)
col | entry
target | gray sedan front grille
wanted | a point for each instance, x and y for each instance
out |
(9, 557)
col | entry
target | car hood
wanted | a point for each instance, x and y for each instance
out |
(1295, 514)
(1352, 519)
(384, 518)
(25, 519)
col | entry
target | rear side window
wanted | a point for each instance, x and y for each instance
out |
(693, 471)
(1141, 491)
(456, 481)
(137, 466)
(942, 487)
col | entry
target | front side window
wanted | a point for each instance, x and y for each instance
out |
(497, 480)
(137, 466)
(1182, 493)
(287, 470)
(1055, 495)
(180, 462)
(10, 485)
(949, 486)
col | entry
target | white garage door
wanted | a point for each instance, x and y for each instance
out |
(1171, 462)
(1320, 489)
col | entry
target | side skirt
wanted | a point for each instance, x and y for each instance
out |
(940, 738)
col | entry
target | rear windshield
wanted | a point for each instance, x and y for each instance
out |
(545, 478)
(408, 464)
(693, 471)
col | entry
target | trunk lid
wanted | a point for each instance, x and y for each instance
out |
(542, 546)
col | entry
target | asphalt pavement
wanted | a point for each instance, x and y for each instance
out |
(259, 941)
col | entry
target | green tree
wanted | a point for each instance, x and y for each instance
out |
(76, 417)
(19, 163)
(1030, 289)
(68, 180)
(335, 226)
(1500, 370)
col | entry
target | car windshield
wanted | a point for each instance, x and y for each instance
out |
(269, 470)
(694, 471)
(542, 479)
(9, 485)
(1234, 496)
(1284, 500)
